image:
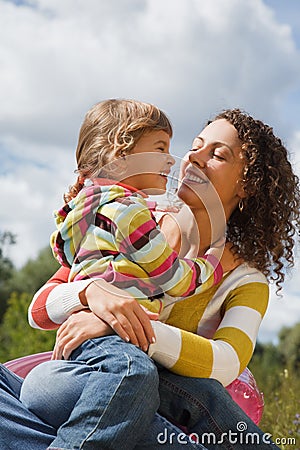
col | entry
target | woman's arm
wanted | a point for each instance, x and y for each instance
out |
(226, 354)
(57, 300)
(223, 356)
(54, 302)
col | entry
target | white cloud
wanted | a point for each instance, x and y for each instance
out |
(188, 56)
(191, 58)
(32, 186)
(294, 148)
(283, 310)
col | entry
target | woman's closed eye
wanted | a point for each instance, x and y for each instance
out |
(218, 155)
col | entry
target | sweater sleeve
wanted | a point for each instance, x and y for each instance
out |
(139, 238)
(228, 352)
(54, 302)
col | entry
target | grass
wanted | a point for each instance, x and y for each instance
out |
(281, 415)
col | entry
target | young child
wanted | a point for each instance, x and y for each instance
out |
(107, 230)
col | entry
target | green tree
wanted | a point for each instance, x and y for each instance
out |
(34, 273)
(6, 268)
(17, 338)
(289, 346)
(266, 361)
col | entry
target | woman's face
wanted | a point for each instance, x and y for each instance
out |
(212, 170)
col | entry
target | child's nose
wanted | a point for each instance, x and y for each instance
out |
(170, 160)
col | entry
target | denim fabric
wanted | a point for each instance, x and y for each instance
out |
(105, 397)
(163, 435)
(19, 429)
(205, 408)
(110, 378)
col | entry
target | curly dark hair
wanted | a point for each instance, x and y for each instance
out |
(266, 229)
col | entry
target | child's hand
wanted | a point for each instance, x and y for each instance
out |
(121, 312)
(230, 258)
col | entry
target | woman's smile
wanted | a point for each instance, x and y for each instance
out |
(193, 175)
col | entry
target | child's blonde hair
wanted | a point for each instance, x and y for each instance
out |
(111, 129)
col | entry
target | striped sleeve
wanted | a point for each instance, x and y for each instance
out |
(228, 352)
(140, 239)
(54, 302)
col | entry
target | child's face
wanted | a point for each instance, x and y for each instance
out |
(149, 163)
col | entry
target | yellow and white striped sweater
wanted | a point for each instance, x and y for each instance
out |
(213, 334)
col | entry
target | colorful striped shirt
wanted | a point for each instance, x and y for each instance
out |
(108, 231)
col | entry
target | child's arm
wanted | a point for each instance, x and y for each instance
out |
(139, 238)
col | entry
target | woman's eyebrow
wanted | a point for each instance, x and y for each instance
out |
(225, 145)
(197, 138)
(217, 143)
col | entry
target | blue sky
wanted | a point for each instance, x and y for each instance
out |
(190, 57)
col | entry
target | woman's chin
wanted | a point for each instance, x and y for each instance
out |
(188, 196)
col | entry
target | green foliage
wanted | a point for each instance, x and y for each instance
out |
(17, 338)
(289, 346)
(281, 415)
(34, 273)
(280, 384)
(6, 268)
(17, 287)
(266, 361)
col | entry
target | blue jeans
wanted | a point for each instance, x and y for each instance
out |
(202, 405)
(207, 411)
(20, 428)
(105, 397)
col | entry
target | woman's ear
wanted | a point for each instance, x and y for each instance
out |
(241, 190)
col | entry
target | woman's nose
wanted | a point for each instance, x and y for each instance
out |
(197, 158)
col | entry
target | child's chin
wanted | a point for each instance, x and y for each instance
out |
(155, 191)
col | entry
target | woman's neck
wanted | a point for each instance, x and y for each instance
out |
(189, 232)
(211, 228)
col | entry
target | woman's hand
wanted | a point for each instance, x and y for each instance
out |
(121, 312)
(79, 327)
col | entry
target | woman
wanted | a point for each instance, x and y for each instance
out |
(249, 170)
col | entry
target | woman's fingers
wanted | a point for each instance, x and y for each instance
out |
(136, 322)
(145, 318)
(130, 328)
(58, 349)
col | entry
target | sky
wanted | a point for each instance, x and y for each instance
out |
(192, 58)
